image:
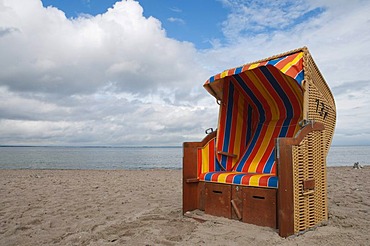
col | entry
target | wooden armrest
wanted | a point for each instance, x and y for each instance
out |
(227, 154)
(192, 180)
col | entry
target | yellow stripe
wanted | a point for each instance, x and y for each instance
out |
(275, 115)
(275, 112)
(292, 83)
(205, 159)
(222, 177)
(262, 149)
(290, 64)
(224, 74)
(254, 180)
(254, 65)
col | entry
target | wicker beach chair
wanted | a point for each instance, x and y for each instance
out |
(266, 162)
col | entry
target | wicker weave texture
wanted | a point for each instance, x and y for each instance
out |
(321, 105)
(310, 207)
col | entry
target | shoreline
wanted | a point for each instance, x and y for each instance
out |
(133, 169)
(144, 207)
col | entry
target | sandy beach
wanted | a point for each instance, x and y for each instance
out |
(86, 207)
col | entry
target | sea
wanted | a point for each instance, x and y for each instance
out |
(128, 158)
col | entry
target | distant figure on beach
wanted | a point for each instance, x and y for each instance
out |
(357, 165)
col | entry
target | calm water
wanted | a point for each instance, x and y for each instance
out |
(132, 158)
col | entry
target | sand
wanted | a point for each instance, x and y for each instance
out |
(77, 207)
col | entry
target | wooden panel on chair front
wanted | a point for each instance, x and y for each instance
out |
(218, 200)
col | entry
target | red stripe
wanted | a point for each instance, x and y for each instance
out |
(201, 176)
(263, 181)
(246, 178)
(230, 178)
(211, 155)
(199, 161)
(263, 63)
(276, 98)
(258, 95)
(231, 72)
(245, 68)
(215, 176)
(295, 69)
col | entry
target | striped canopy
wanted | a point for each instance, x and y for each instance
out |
(259, 102)
(291, 65)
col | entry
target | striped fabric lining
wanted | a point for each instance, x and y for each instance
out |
(233, 131)
(290, 65)
(260, 102)
(277, 101)
(207, 161)
(246, 179)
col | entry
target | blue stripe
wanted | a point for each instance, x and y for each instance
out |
(273, 62)
(300, 77)
(238, 70)
(281, 93)
(250, 93)
(284, 128)
(217, 163)
(261, 111)
(273, 182)
(238, 178)
(269, 163)
(208, 176)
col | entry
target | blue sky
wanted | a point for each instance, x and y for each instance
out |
(195, 21)
(85, 72)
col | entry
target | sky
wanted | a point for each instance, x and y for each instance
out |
(131, 73)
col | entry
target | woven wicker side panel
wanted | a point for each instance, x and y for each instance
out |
(320, 110)
(314, 74)
(309, 163)
(321, 106)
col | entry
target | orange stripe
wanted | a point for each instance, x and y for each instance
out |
(230, 177)
(263, 181)
(281, 64)
(231, 71)
(245, 180)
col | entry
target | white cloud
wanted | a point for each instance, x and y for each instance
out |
(176, 20)
(253, 17)
(53, 54)
(113, 78)
(176, 9)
